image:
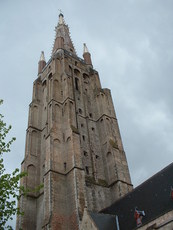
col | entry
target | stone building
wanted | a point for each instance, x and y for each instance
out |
(74, 148)
(73, 143)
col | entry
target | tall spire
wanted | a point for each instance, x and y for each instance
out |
(62, 38)
(72, 146)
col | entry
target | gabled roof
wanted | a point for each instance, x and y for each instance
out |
(152, 196)
(103, 221)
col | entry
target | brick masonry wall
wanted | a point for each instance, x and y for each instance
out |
(73, 146)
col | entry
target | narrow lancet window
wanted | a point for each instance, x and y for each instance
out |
(87, 170)
(77, 83)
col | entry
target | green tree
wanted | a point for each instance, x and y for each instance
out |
(10, 189)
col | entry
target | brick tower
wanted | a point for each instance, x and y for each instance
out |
(73, 143)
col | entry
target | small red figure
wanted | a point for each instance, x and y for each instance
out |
(171, 193)
(138, 216)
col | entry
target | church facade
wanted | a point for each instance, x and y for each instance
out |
(73, 142)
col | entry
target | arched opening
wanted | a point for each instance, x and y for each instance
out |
(87, 170)
(65, 166)
(76, 72)
(35, 116)
(55, 89)
(76, 83)
(57, 114)
(68, 139)
(31, 177)
(56, 153)
(70, 70)
(50, 75)
(110, 167)
(85, 153)
(34, 142)
(85, 76)
(44, 83)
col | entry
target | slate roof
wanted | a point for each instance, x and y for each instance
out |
(152, 196)
(103, 221)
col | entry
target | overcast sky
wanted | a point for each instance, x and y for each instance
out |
(131, 43)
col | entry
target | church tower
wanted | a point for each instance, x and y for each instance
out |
(73, 143)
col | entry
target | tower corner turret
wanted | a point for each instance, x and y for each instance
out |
(41, 63)
(86, 55)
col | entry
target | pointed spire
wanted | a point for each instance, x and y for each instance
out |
(61, 19)
(41, 63)
(85, 49)
(86, 55)
(62, 38)
(42, 57)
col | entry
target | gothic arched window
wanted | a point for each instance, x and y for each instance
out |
(76, 83)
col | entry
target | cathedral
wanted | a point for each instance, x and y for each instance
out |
(74, 149)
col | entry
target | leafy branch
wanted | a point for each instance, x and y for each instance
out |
(10, 189)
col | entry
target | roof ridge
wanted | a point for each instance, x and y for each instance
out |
(139, 186)
(101, 214)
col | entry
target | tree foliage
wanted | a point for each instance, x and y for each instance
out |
(10, 189)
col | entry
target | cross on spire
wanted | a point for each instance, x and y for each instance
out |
(60, 12)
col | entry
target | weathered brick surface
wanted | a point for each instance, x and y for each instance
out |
(73, 146)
